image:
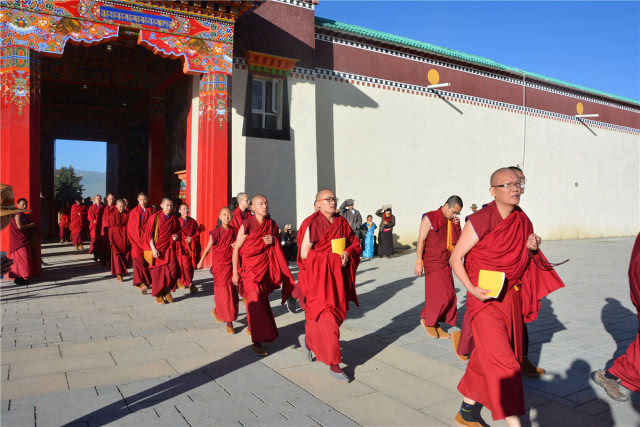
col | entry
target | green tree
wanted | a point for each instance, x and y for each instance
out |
(67, 184)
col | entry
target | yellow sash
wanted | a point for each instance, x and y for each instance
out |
(449, 235)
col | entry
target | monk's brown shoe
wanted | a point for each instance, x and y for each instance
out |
(213, 312)
(61, 240)
(168, 297)
(441, 333)
(119, 277)
(529, 370)
(611, 386)
(193, 289)
(244, 301)
(230, 330)
(180, 285)
(144, 288)
(259, 351)
(160, 300)
(248, 331)
(460, 422)
(455, 339)
(80, 246)
(431, 330)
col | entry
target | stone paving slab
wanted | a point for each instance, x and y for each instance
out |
(80, 348)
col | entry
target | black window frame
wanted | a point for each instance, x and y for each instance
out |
(281, 134)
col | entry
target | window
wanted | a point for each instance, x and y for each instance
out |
(266, 107)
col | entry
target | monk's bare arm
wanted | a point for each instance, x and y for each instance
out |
(425, 226)
(306, 245)
(22, 226)
(154, 250)
(468, 239)
(240, 238)
(205, 253)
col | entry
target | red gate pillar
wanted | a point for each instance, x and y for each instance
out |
(20, 131)
(156, 151)
(211, 171)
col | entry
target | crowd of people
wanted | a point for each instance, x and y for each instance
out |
(250, 259)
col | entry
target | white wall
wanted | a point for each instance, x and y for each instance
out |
(379, 146)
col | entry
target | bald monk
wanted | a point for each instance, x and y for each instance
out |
(626, 368)
(118, 240)
(439, 232)
(139, 218)
(162, 234)
(20, 230)
(95, 229)
(500, 238)
(225, 294)
(263, 268)
(78, 214)
(187, 249)
(297, 295)
(104, 252)
(329, 283)
(242, 212)
(528, 368)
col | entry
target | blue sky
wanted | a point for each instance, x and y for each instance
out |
(82, 155)
(592, 44)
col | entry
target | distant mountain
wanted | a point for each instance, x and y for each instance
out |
(93, 183)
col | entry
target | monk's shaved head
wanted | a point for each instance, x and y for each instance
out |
(454, 201)
(257, 197)
(120, 201)
(166, 199)
(501, 174)
(325, 192)
(225, 209)
(326, 202)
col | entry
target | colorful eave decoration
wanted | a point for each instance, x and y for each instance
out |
(271, 64)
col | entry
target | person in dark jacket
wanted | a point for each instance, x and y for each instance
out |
(385, 233)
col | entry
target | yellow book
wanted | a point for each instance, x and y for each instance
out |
(338, 245)
(492, 281)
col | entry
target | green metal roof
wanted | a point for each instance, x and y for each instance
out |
(330, 24)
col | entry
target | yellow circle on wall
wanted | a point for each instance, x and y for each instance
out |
(580, 108)
(433, 76)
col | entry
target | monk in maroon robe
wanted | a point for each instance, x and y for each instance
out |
(329, 282)
(225, 294)
(264, 267)
(188, 249)
(162, 233)
(242, 212)
(104, 252)
(118, 240)
(78, 215)
(64, 222)
(136, 228)
(501, 239)
(626, 368)
(20, 252)
(439, 232)
(95, 226)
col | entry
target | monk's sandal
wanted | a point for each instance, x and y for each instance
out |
(308, 354)
(339, 377)
(609, 385)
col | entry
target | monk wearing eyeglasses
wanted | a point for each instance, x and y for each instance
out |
(500, 239)
(332, 253)
(439, 232)
(264, 267)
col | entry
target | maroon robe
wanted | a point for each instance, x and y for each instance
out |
(263, 268)
(104, 252)
(20, 248)
(78, 214)
(493, 375)
(627, 366)
(440, 302)
(119, 243)
(164, 272)
(95, 226)
(225, 293)
(302, 263)
(136, 226)
(238, 217)
(327, 286)
(188, 254)
(65, 222)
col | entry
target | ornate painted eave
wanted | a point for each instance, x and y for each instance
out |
(271, 64)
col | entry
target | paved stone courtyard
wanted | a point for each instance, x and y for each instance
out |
(80, 348)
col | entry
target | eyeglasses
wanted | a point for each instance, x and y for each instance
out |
(455, 212)
(510, 185)
(329, 199)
